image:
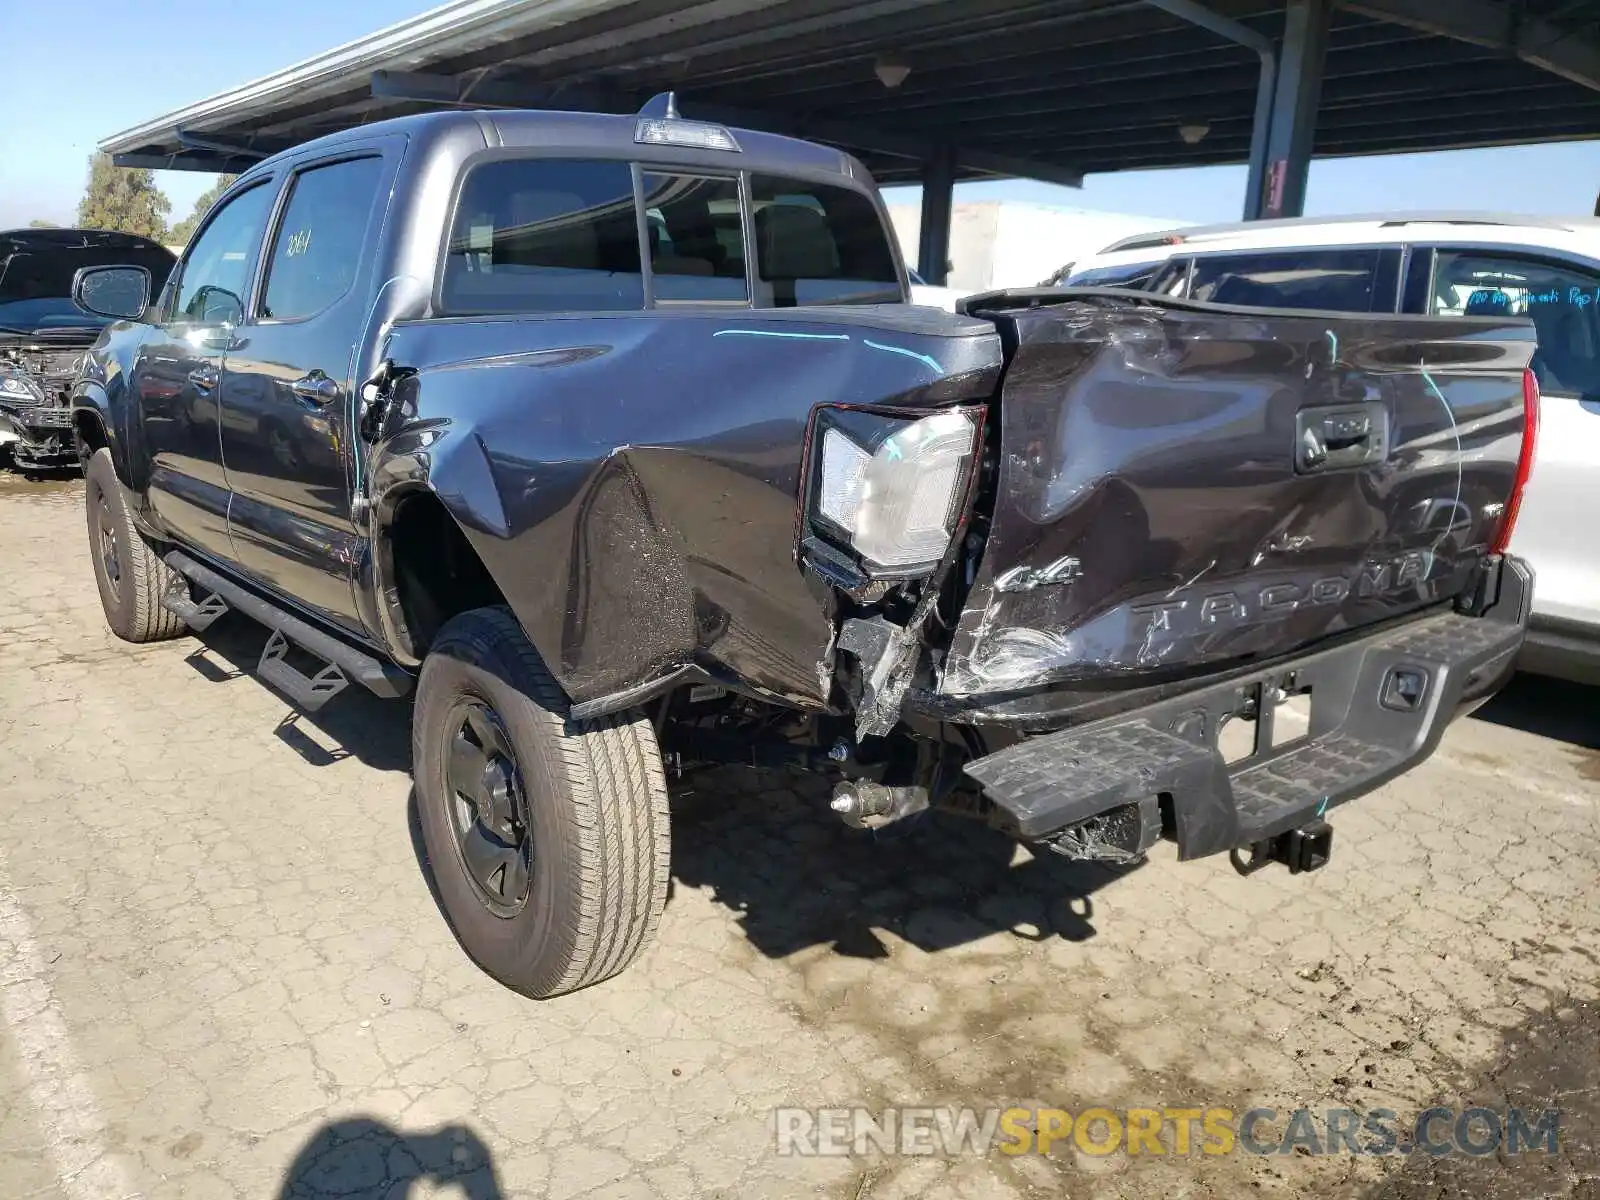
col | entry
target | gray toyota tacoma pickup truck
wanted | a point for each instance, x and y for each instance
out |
(615, 440)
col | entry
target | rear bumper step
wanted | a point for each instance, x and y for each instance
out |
(310, 692)
(1378, 706)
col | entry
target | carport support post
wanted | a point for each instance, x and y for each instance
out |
(1294, 107)
(938, 198)
(1267, 82)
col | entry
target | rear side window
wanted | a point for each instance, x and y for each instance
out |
(544, 235)
(1333, 280)
(320, 238)
(696, 238)
(819, 244)
(1562, 302)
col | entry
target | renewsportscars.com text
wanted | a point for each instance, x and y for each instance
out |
(1102, 1131)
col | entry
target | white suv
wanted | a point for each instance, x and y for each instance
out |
(1547, 269)
(935, 297)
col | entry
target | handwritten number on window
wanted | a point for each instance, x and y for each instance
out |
(299, 243)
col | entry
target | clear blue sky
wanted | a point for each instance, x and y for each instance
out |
(78, 73)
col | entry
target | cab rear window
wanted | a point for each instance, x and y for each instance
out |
(544, 235)
(819, 244)
(566, 235)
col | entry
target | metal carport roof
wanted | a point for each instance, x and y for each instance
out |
(1050, 89)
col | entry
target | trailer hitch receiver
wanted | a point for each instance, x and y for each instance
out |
(1307, 848)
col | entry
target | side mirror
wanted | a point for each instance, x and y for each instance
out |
(122, 293)
(214, 305)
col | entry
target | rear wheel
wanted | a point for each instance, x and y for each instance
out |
(548, 837)
(129, 573)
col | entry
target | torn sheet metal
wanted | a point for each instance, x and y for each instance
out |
(1120, 836)
(888, 656)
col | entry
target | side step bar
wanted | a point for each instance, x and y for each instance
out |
(310, 692)
(198, 615)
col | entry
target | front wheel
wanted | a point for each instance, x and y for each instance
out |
(129, 573)
(548, 837)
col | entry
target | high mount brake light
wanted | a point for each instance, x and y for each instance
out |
(676, 132)
(1530, 438)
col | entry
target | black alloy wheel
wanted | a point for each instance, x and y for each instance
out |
(489, 807)
(548, 839)
(110, 559)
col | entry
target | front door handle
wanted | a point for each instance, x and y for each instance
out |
(316, 388)
(204, 378)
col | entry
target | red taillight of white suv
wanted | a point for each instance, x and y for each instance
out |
(1530, 436)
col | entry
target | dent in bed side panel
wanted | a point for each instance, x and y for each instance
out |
(1150, 517)
(631, 481)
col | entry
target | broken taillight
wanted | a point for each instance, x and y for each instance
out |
(1530, 436)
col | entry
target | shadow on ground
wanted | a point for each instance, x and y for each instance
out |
(361, 1157)
(766, 845)
(769, 849)
(15, 481)
(1552, 708)
(355, 724)
(763, 841)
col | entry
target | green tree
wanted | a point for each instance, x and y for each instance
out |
(123, 198)
(41, 223)
(184, 229)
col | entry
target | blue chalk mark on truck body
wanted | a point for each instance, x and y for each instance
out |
(921, 358)
(775, 333)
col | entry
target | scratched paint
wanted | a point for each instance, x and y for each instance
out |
(926, 359)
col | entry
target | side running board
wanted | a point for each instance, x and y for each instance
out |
(198, 615)
(343, 663)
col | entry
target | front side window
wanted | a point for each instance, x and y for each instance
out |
(1562, 302)
(820, 244)
(216, 273)
(1330, 280)
(318, 247)
(544, 235)
(696, 238)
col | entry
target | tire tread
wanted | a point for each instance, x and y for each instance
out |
(145, 576)
(617, 825)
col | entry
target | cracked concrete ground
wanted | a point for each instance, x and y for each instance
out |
(222, 973)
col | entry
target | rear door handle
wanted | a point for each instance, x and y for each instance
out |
(204, 378)
(316, 388)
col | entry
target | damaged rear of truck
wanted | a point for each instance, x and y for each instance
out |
(617, 440)
(1095, 567)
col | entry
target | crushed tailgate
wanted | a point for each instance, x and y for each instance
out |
(1182, 487)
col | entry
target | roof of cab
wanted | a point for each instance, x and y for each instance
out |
(604, 134)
